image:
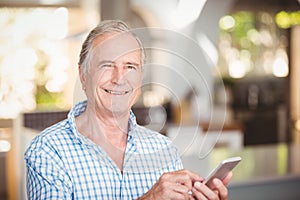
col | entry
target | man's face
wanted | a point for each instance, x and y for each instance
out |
(114, 78)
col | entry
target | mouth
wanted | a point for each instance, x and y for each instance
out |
(113, 92)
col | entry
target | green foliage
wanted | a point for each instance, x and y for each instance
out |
(47, 100)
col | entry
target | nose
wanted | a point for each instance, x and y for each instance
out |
(118, 76)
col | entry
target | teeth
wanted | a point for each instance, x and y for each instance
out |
(116, 92)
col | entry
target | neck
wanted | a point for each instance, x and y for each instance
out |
(103, 128)
(107, 130)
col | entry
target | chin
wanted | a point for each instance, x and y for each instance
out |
(119, 111)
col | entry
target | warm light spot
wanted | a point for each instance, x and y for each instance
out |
(297, 125)
(286, 20)
(237, 69)
(280, 64)
(282, 19)
(58, 27)
(152, 98)
(280, 67)
(254, 36)
(227, 22)
(266, 38)
(4, 146)
(26, 58)
(57, 83)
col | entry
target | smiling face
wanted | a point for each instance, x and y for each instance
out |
(114, 77)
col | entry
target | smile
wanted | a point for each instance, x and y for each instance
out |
(116, 92)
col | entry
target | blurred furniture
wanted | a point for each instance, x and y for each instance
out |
(41, 120)
(261, 105)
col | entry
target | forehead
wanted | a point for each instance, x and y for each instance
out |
(114, 45)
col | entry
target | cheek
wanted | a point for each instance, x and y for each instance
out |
(93, 83)
(100, 77)
(135, 80)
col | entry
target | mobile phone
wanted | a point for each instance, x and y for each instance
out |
(222, 169)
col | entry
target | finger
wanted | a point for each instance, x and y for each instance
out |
(191, 198)
(198, 195)
(227, 178)
(201, 191)
(184, 177)
(168, 190)
(177, 179)
(193, 176)
(179, 188)
(178, 191)
(173, 195)
(221, 189)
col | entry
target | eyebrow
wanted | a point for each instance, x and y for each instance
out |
(109, 61)
(133, 63)
(105, 61)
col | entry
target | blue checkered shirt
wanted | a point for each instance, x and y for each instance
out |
(62, 164)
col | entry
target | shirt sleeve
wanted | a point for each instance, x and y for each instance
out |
(46, 178)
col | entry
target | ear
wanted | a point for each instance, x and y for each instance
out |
(82, 77)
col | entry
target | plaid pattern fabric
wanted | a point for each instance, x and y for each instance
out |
(62, 164)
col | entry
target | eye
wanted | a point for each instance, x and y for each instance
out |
(130, 66)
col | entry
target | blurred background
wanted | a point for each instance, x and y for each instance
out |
(245, 101)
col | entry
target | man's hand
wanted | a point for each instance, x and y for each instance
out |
(215, 191)
(186, 185)
(173, 185)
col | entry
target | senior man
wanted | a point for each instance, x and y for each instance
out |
(99, 151)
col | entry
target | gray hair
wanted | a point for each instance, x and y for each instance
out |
(104, 27)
